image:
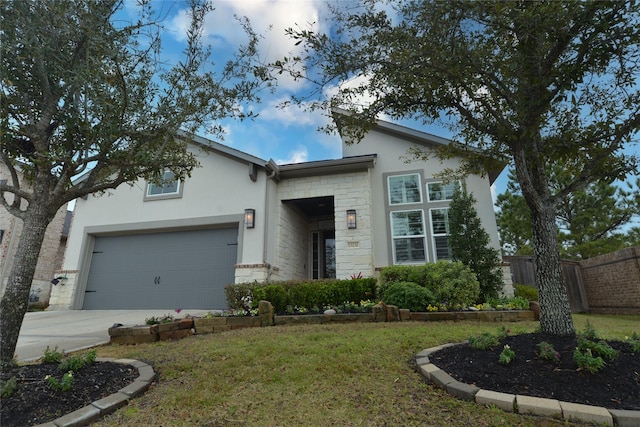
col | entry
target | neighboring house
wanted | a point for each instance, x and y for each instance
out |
(50, 258)
(239, 218)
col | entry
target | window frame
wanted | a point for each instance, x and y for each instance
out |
(162, 196)
(444, 190)
(435, 235)
(408, 237)
(419, 187)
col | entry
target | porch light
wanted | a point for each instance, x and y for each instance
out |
(250, 218)
(351, 219)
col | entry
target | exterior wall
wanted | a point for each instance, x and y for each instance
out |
(391, 152)
(353, 247)
(612, 281)
(216, 194)
(293, 244)
(48, 260)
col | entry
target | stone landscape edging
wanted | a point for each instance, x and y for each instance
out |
(107, 405)
(522, 404)
(207, 325)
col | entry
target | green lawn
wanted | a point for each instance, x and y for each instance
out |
(316, 375)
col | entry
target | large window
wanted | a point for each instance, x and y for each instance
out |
(167, 187)
(440, 231)
(404, 189)
(440, 191)
(408, 234)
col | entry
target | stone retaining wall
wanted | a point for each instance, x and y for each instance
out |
(203, 325)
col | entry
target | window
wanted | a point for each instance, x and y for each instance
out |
(168, 187)
(404, 189)
(440, 231)
(439, 191)
(408, 233)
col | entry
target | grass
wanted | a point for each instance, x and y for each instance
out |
(316, 375)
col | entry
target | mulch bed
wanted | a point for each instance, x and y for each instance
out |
(34, 402)
(616, 386)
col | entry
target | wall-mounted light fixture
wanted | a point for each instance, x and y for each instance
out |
(57, 280)
(351, 219)
(250, 218)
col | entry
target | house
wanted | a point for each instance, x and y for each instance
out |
(240, 218)
(51, 253)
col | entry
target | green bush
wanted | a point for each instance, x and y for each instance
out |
(408, 295)
(527, 292)
(302, 294)
(450, 282)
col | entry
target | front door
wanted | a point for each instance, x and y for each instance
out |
(324, 254)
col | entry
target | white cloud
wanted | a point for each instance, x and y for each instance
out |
(269, 18)
(298, 155)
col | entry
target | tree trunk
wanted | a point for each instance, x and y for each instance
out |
(555, 312)
(15, 301)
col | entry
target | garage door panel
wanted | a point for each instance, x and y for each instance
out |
(183, 269)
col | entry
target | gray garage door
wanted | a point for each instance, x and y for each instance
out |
(184, 269)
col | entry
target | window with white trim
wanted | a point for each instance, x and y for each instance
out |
(408, 235)
(404, 189)
(167, 187)
(440, 191)
(440, 232)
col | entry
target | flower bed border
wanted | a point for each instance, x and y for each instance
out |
(381, 313)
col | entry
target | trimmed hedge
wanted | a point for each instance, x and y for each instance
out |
(450, 282)
(307, 294)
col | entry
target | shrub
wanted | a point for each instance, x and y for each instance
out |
(302, 294)
(52, 356)
(587, 361)
(7, 387)
(77, 362)
(527, 292)
(450, 282)
(408, 295)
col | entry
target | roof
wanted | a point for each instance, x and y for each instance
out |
(327, 167)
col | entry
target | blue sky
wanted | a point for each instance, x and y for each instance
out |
(286, 135)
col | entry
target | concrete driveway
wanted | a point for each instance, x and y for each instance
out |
(78, 329)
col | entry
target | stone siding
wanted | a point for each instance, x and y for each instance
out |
(354, 248)
(48, 260)
(612, 281)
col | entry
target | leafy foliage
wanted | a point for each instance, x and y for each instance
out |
(470, 243)
(90, 102)
(527, 292)
(589, 221)
(450, 282)
(408, 295)
(302, 294)
(521, 82)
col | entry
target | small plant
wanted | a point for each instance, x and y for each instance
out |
(484, 341)
(52, 356)
(547, 352)
(600, 348)
(7, 387)
(77, 362)
(587, 361)
(356, 276)
(634, 342)
(589, 332)
(153, 320)
(64, 385)
(507, 355)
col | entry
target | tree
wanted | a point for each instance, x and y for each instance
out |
(469, 243)
(589, 221)
(522, 81)
(89, 103)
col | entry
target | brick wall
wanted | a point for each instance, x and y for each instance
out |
(612, 281)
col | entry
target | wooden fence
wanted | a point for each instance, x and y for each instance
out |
(522, 271)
